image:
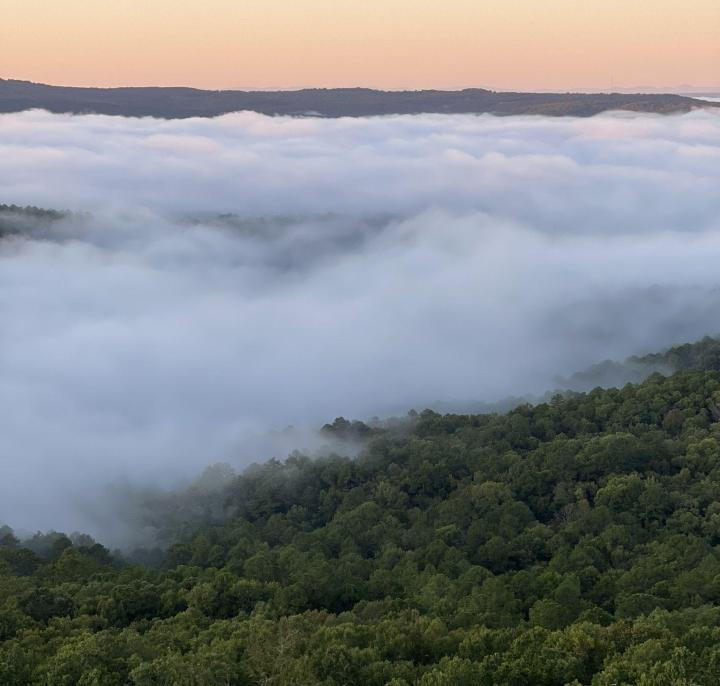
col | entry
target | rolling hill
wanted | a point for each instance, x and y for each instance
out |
(171, 103)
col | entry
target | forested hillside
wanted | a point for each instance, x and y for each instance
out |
(16, 96)
(571, 542)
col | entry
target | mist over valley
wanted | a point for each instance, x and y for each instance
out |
(201, 284)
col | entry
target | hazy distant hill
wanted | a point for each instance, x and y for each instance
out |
(338, 102)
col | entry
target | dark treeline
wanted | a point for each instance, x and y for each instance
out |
(18, 220)
(571, 542)
(169, 103)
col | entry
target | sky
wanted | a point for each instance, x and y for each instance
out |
(369, 265)
(501, 44)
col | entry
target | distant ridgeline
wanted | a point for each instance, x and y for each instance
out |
(169, 103)
(704, 354)
(567, 543)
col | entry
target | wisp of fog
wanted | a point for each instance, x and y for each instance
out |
(222, 278)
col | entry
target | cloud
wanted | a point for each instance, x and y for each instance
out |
(363, 266)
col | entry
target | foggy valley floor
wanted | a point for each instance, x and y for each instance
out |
(216, 280)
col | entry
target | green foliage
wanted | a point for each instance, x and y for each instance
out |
(573, 542)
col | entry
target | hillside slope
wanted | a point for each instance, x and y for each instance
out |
(572, 542)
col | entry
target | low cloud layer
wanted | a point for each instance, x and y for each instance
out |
(239, 274)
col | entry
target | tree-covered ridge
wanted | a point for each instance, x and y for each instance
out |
(17, 219)
(178, 102)
(31, 211)
(572, 542)
(704, 354)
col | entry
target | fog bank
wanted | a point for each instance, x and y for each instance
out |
(239, 274)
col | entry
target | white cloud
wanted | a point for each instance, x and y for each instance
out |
(372, 264)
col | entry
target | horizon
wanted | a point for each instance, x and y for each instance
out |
(690, 90)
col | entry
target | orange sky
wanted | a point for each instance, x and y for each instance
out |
(512, 44)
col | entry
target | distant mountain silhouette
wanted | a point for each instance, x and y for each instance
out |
(171, 103)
